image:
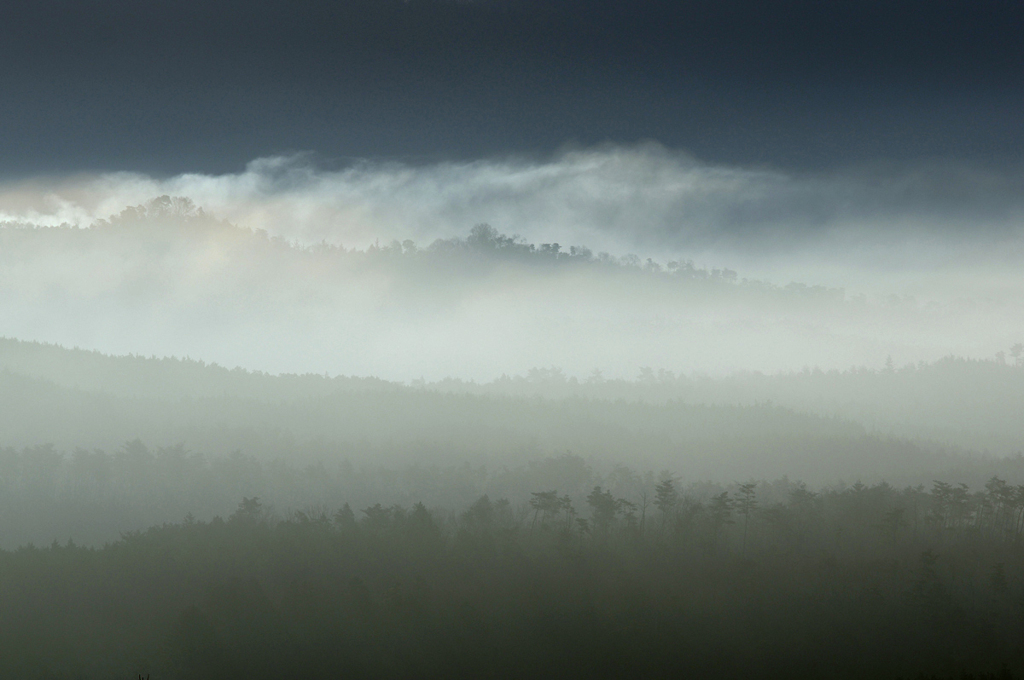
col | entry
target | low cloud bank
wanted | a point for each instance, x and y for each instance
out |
(640, 198)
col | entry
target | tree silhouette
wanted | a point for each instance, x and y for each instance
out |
(720, 510)
(603, 507)
(249, 511)
(746, 503)
(665, 498)
(893, 521)
(546, 504)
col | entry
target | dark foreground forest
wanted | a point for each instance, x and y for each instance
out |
(213, 523)
(860, 582)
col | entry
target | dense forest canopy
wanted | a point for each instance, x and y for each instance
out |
(862, 582)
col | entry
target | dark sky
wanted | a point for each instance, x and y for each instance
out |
(166, 86)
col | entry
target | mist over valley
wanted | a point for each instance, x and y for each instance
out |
(397, 339)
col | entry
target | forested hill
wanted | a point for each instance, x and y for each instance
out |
(167, 377)
(388, 424)
(865, 582)
(971, 405)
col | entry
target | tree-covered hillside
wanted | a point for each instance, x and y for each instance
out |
(406, 426)
(866, 582)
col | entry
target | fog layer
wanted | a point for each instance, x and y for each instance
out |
(644, 199)
(281, 267)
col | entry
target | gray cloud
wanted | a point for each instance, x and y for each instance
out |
(944, 235)
(620, 198)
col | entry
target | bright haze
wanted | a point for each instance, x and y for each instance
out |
(696, 187)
